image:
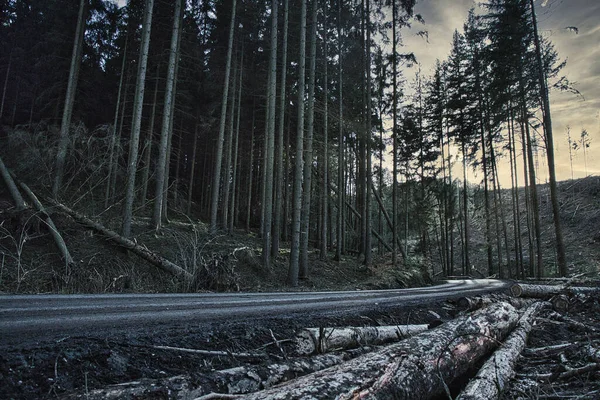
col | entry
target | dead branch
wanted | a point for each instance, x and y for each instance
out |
(211, 353)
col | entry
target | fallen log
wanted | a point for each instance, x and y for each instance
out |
(321, 340)
(499, 369)
(547, 291)
(419, 367)
(224, 383)
(252, 378)
(129, 244)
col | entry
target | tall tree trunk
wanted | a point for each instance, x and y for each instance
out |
(534, 202)
(269, 156)
(69, 99)
(294, 268)
(138, 105)
(234, 174)
(5, 85)
(516, 207)
(163, 156)
(368, 245)
(466, 247)
(171, 124)
(229, 146)
(308, 162)
(149, 142)
(214, 204)
(325, 183)
(528, 197)
(278, 207)
(192, 172)
(394, 136)
(340, 178)
(250, 175)
(113, 135)
(560, 245)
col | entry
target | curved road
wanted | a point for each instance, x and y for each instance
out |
(39, 317)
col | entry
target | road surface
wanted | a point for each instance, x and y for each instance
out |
(39, 317)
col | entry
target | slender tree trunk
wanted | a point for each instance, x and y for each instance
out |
(149, 141)
(560, 245)
(214, 204)
(308, 162)
(394, 136)
(270, 148)
(229, 147)
(369, 167)
(250, 175)
(294, 268)
(5, 85)
(534, 202)
(287, 199)
(113, 135)
(528, 197)
(325, 183)
(466, 249)
(69, 99)
(340, 212)
(234, 174)
(278, 208)
(171, 124)
(138, 106)
(516, 207)
(163, 156)
(192, 173)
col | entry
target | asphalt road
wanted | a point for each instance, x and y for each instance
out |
(39, 317)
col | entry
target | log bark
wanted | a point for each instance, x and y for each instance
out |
(130, 245)
(321, 340)
(222, 384)
(547, 291)
(493, 377)
(416, 368)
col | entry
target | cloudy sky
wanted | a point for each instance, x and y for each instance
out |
(582, 52)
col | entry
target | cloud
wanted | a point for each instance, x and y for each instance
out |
(581, 50)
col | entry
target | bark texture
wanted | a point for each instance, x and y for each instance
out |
(419, 367)
(319, 340)
(499, 369)
(547, 291)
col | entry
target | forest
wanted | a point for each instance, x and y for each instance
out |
(306, 124)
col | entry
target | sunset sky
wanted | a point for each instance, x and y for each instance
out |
(583, 68)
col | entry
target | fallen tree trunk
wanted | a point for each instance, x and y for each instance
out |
(321, 340)
(56, 236)
(419, 367)
(547, 291)
(12, 188)
(499, 369)
(252, 378)
(130, 245)
(223, 383)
